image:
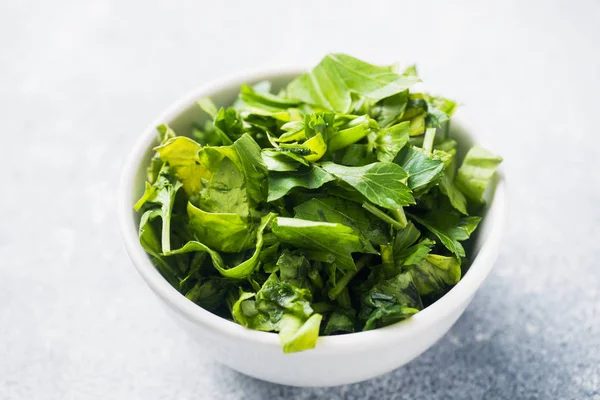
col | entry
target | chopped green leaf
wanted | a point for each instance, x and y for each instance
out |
(280, 183)
(333, 238)
(331, 83)
(476, 172)
(225, 232)
(381, 183)
(328, 206)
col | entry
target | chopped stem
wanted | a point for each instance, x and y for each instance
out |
(166, 234)
(428, 140)
(400, 217)
(344, 280)
(383, 216)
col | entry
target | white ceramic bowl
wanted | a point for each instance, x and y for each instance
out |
(336, 360)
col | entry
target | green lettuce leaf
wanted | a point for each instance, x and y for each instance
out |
(332, 238)
(331, 83)
(162, 193)
(226, 232)
(447, 186)
(276, 161)
(476, 172)
(226, 191)
(280, 183)
(266, 104)
(151, 244)
(351, 132)
(340, 322)
(164, 134)
(399, 292)
(356, 155)
(336, 210)
(424, 169)
(390, 109)
(449, 228)
(381, 183)
(390, 141)
(209, 293)
(435, 273)
(240, 271)
(281, 307)
(330, 206)
(253, 168)
(181, 154)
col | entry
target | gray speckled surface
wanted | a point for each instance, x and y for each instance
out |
(78, 82)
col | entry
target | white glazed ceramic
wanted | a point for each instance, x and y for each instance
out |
(336, 360)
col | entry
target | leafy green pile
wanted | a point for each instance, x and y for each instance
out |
(334, 206)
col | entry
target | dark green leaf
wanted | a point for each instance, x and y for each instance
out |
(337, 210)
(423, 169)
(388, 110)
(435, 273)
(449, 228)
(333, 238)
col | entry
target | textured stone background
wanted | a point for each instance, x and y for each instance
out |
(80, 79)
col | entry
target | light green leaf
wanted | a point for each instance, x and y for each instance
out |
(226, 192)
(414, 254)
(276, 161)
(162, 193)
(293, 132)
(405, 238)
(354, 131)
(253, 167)
(317, 146)
(331, 83)
(266, 104)
(390, 141)
(297, 335)
(476, 172)
(225, 232)
(399, 291)
(381, 183)
(151, 244)
(181, 154)
(164, 134)
(240, 271)
(457, 199)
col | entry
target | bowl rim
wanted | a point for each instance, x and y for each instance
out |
(460, 294)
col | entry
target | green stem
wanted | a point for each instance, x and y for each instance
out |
(428, 140)
(383, 216)
(344, 280)
(400, 217)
